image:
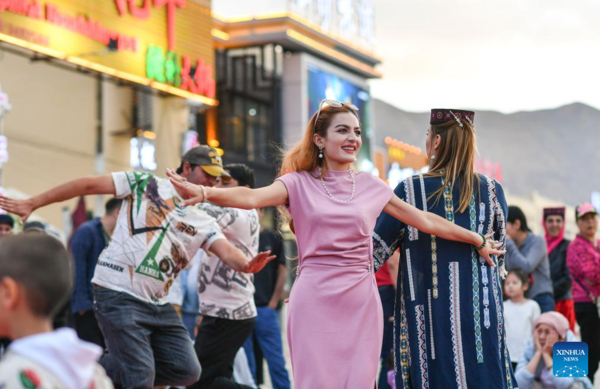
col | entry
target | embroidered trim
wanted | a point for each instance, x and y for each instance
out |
(475, 274)
(404, 350)
(449, 204)
(420, 316)
(481, 218)
(381, 251)
(434, 267)
(413, 233)
(457, 347)
(497, 300)
(431, 324)
(410, 276)
(423, 194)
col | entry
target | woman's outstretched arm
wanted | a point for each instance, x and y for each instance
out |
(433, 224)
(240, 197)
(78, 187)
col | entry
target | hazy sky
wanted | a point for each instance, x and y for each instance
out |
(508, 55)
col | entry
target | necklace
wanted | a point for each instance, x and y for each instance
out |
(352, 177)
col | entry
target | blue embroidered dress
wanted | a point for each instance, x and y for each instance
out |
(449, 327)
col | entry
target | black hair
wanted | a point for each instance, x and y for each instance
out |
(242, 173)
(41, 265)
(521, 275)
(6, 219)
(112, 205)
(180, 168)
(515, 213)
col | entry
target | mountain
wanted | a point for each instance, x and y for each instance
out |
(555, 152)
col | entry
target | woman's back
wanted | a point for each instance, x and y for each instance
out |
(450, 300)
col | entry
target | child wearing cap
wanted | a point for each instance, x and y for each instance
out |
(35, 279)
(6, 225)
(535, 368)
(583, 260)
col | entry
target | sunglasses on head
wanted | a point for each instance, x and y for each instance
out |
(333, 103)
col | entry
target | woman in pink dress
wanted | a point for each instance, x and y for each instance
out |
(335, 323)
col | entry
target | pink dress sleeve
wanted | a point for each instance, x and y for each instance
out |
(383, 191)
(291, 182)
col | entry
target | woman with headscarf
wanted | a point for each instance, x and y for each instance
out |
(554, 225)
(449, 326)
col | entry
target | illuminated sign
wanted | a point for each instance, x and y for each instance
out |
(166, 44)
(142, 153)
(351, 19)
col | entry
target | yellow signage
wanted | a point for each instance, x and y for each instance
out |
(166, 44)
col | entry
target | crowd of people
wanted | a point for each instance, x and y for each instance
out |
(435, 284)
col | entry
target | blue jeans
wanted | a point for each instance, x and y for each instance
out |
(545, 301)
(387, 293)
(268, 334)
(189, 322)
(147, 344)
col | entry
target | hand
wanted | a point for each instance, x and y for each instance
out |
(259, 262)
(23, 208)
(552, 338)
(192, 194)
(273, 304)
(536, 342)
(491, 248)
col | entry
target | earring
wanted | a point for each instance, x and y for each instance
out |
(320, 151)
(433, 157)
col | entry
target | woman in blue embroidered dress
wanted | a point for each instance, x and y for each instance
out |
(449, 323)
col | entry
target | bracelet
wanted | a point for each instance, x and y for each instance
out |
(203, 193)
(483, 244)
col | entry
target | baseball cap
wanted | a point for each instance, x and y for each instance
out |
(208, 159)
(584, 209)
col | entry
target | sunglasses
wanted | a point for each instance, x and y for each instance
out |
(333, 103)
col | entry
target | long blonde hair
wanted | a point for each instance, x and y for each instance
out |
(455, 159)
(305, 154)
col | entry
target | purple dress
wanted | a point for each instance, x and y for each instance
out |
(335, 326)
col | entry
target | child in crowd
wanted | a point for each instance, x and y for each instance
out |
(535, 368)
(35, 280)
(519, 313)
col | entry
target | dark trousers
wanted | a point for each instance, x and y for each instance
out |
(545, 301)
(217, 342)
(387, 294)
(147, 344)
(87, 328)
(589, 322)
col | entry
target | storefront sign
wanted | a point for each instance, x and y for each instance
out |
(166, 44)
(353, 20)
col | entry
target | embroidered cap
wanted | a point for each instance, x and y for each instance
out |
(584, 209)
(442, 115)
(209, 160)
(560, 211)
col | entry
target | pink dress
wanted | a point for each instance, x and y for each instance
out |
(335, 320)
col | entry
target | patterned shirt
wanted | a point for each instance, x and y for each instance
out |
(225, 293)
(154, 238)
(583, 260)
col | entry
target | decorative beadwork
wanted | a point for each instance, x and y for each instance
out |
(410, 276)
(352, 177)
(431, 324)
(422, 339)
(381, 251)
(455, 325)
(475, 274)
(413, 233)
